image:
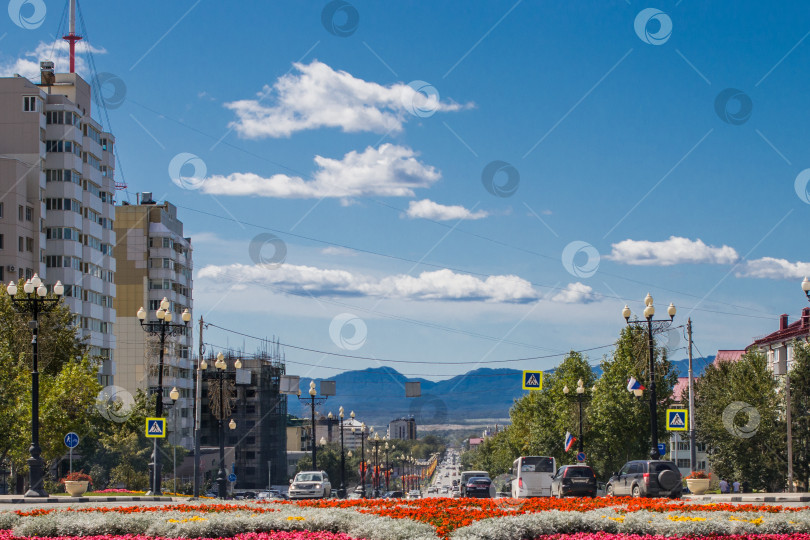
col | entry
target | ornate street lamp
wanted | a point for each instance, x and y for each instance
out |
(34, 301)
(162, 329)
(388, 466)
(342, 491)
(219, 401)
(580, 396)
(313, 401)
(653, 327)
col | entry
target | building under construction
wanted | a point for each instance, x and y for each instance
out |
(260, 413)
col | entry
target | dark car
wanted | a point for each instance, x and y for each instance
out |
(646, 478)
(578, 480)
(394, 495)
(478, 487)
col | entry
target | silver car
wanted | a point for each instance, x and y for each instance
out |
(310, 485)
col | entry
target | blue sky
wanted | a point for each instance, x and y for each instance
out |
(662, 144)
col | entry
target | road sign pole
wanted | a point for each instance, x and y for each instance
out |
(71, 460)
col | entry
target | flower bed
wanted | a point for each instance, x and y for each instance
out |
(425, 519)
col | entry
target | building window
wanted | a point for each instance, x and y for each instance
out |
(700, 447)
(1, 243)
(20, 210)
(20, 244)
(29, 213)
(1, 210)
(684, 463)
(30, 104)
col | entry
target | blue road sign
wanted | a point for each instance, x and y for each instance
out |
(71, 440)
(156, 427)
(532, 380)
(662, 448)
(677, 419)
(581, 456)
(231, 477)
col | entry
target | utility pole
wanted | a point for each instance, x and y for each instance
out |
(197, 410)
(789, 429)
(692, 448)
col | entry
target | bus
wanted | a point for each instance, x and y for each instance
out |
(532, 476)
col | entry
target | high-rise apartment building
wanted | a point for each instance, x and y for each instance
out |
(154, 262)
(56, 202)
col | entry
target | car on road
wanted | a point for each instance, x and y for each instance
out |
(414, 494)
(466, 475)
(478, 487)
(646, 478)
(393, 495)
(579, 480)
(310, 485)
(433, 489)
(445, 489)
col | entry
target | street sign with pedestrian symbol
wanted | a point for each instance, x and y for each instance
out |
(532, 380)
(677, 419)
(231, 477)
(156, 428)
(71, 440)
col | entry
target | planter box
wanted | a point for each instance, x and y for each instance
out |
(78, 488)
(698, 486)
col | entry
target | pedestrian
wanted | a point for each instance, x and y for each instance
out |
(746, 487)
(736, 486)
(723, 486)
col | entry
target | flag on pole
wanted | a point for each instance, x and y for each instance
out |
(633, 384)
(569, 440)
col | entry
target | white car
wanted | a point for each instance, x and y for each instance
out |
(310, 485)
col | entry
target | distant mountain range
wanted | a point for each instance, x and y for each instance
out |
(479, 397)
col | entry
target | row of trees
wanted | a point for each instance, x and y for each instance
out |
(119, 452)
(615, 423)
(739, 408)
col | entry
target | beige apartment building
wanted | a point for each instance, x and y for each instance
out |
(56, 199)
(155, 262)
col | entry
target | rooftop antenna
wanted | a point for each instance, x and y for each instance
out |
(72, 38)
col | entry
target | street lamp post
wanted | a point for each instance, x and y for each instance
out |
(163, 328)
(653, 327)
(342, 492)
(580, 396)
(388, 466)
(34, 301)
(313, 401)
(375, 475)
(174, 395)
(221, 410)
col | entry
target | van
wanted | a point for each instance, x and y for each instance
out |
(466, 475)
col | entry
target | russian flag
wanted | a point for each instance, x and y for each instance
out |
(569, 440)
(633, 384)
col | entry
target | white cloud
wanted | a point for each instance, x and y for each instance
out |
(57, 52)
(675, 250)
(339, 251)
(771, 268)
(316, 96)
(436, 285)
(389, 171)
(575, 293)
(428, 209)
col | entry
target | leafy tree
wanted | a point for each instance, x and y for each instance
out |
(620, 421)
(740, 418)
(800, 400)
(539, 421)
(68, 384)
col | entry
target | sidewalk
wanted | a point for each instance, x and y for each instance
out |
(19, 499)
(750, 497)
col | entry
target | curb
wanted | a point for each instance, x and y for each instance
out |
(69, 500)
(767, 498)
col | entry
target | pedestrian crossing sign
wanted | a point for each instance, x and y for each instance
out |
(532, 380)
(156, 427)
(677, 419)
